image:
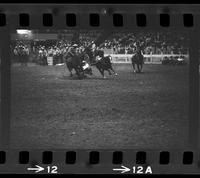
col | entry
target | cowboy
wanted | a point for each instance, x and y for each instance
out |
(72, 51)
(99, 54)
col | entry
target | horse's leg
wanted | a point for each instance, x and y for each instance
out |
(70, 70)
(77, 72)
(81, 71)
(102, 72)
(109, 72)
(133, 64)
(71, 75)
(115, 73)
(138, 68)
(141, 67)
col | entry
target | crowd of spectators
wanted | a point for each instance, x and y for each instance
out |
(117, 43)
(150, 42)
(39, 51)
(54, 49)
(20, 52)
(86, 38)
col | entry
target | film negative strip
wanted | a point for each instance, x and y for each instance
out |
(99, 89)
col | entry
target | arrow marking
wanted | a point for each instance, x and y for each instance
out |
(36, 169)
(123, 169)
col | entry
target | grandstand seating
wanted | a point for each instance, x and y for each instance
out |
(151, 42)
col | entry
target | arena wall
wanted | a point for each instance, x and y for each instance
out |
(149, 59)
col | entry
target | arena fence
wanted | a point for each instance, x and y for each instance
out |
(149, 59)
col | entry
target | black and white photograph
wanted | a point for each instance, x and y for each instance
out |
(99, 89)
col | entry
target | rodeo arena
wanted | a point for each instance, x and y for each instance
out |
(99, 89)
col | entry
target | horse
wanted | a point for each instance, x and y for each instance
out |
(137, 59)
(104, 63)
(74, 62)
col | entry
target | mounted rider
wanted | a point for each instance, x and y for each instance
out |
(137, 58)
(72, 51)
(138, 49)
(99, 54)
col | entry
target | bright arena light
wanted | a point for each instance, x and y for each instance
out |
(22, 32)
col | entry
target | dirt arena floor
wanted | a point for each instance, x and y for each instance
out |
(51, 110)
